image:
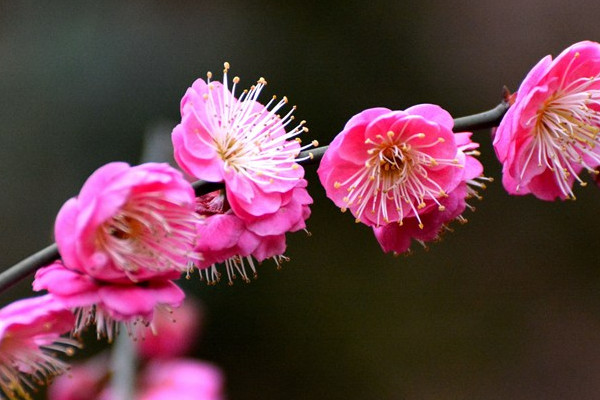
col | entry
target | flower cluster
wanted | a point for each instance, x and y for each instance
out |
(123, 239)
(133, 230)
(30, 332)
(164, 371)
(403, 173)
(551, 132)
(245, 145)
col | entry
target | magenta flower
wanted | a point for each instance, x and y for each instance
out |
(404, 173)
(30, 332)
(129, 223)
(172, 334)
(226, 238)
(162, 379)
(182, 379)
(550, 133)
(240, 142)
(106, 303)
(85, 381)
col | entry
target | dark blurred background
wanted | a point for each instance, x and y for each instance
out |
(507, 307)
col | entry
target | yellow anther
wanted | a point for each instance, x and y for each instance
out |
(226, 65)
(236, 79)
(315, 143)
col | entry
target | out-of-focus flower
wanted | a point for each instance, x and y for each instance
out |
(30, 332)
(129, 223)
(107, 303)
(181, 379)
(551, 131)
(161, 379)
(172, 334)
(404, 173)
(240, 142)
(226, 238)
(85, 381)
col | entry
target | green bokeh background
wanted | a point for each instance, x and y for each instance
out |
(507, 307)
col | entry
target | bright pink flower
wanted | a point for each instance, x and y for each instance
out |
(85, 381)
(226, 238)
(172, 334)
(107, 303)
(404, 173)
(240, 142)
(551, 132)
(30, 332)
(129, 223)
(181, 379)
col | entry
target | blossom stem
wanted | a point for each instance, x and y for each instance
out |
(21, 270)
(124, 365)
(24, 268)
(486, 119)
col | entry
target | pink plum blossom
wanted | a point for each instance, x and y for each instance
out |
(240, 142)
(226, 238)
(85, 381)
(30, 332)
(172, 334)
(404, 173)
(550, 132)
(107, 303)
(161, 379)
(129, 223)
(182, 379)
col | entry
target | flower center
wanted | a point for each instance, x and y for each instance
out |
(395, 181)
(150, 233)
(252, 138)
(566, 133)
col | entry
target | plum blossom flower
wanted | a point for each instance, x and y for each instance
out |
(30, 332)
(551, 132)
(85, 381)
(183, 379)
(129, 223)
(240, 142)
(107, 303)
(226, 238)
(172, 334)
(162, 379)
(404, 173)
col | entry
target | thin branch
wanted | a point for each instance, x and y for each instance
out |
(14, 274)
(28, 266)
(484, 120)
